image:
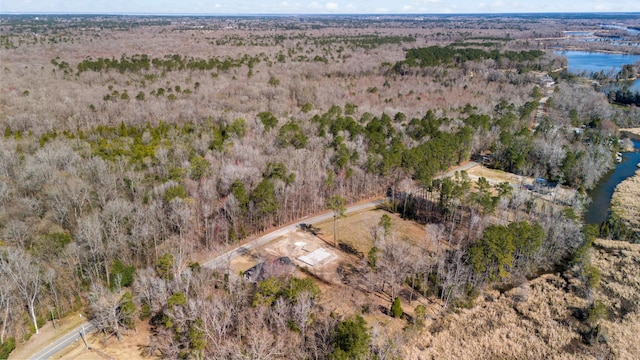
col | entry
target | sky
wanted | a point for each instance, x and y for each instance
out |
(223, 7)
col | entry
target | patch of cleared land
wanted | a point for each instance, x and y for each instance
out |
(128, 347)
(355, 229)
(497, 176)
(293, 245)
(559, 194)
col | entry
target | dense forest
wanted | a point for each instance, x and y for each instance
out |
(135, 149)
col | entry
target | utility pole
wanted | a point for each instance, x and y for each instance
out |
(82, 335)
(337, 204)
(53, 319)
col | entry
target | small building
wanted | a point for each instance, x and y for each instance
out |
(542, 186)
(547, 81)
(272, 267)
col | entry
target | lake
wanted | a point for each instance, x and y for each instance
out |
(585, 61)
(601, 195)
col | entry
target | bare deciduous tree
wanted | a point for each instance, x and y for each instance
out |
(109, 311)
(6, 302)
(25, 273)
(394, 261)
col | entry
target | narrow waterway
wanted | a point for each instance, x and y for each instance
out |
(601, 195)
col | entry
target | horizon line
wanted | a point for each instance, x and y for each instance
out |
(317, 14)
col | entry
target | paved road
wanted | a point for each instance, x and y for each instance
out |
(63, 342)
(464, 167)
(223, 260)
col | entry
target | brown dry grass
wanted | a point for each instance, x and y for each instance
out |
(626, 201)
(497, 176)
(355, 229)
(541, 319)
(505, 328)
(618, 263)
(127, 348)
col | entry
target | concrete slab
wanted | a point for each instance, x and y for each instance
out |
(317, 257)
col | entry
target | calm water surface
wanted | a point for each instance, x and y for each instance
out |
(585, 61)
(580, 61)
(602, 193)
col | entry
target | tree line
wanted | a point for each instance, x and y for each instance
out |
(171, 62)
(454, 55)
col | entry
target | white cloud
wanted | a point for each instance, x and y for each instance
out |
(422, 6)
(424, 2)
(314, 5)
(331, 6)
(497, 4)
(382, 10)
(284, 5)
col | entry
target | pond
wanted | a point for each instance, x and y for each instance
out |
(598, 210)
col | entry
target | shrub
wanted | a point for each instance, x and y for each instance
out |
(127, 310)
(396, 308)
(267, 291)
(177, 299)
(307, 107)
(297, 286)
(199, 167)
(125, 272)
(596, 312)
(173, 192)
(421, 315)
(372, 257)
(268, 120)
(292, 134)
(163, 266)
(592, 275)
(352, 339)
(7, 347)
(51, 244)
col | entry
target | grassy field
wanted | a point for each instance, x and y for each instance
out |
(355, 229)
(497, 176)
